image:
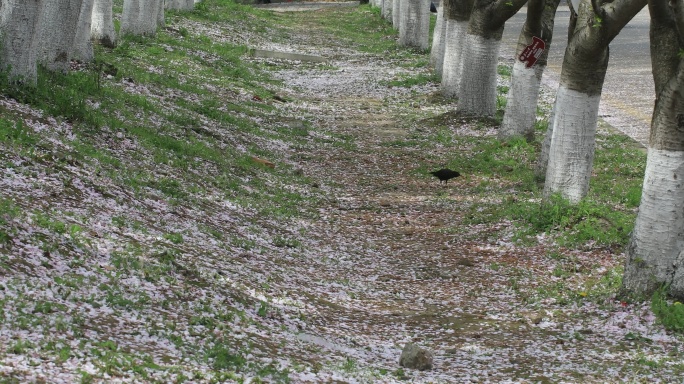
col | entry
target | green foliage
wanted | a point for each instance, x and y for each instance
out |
(407, 81)
(670, 314)
(619, 166)
(223, 359)
(16, 133)
(504, 70)
(580, 223)
(512, 160)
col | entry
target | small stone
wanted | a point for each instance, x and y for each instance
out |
(415, 357)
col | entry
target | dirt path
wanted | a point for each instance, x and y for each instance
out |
(393, 265)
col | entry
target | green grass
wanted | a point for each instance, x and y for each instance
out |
(505, 171)
(670, 314)
(408, 81)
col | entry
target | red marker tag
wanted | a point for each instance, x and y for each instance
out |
(532, 52)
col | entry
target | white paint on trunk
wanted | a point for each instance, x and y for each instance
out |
(141, 17)
(58, 24)
(477, 91)
(521, 105)
(543, 162)
(387, 9)
(396, 12)
(453, 65)
(571, 154)
(658, 236)
(180, 5)
(415, 24)
(102, 23)
(438, 42)
(19, 26)
(82, 48)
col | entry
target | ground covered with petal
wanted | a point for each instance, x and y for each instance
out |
(197, 219)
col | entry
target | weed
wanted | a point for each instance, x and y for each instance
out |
(223, 359)
(349, 365)
(408, 81)
(670, 314)
(263, 309)
(175, 238)
(16, 133)
(504, 70)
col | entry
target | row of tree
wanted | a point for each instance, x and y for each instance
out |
(55, 32)
(465, 53)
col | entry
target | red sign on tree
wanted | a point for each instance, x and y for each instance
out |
(532, 52)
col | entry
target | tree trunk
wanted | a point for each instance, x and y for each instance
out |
(19, 27)
(102, 24)
(396, 12)
(543, 161)
(415, 24)
(82, 48)
(456, 13)
(655, 255)
(179, 5)
(521, 106)
(438, 42)
(571, 154)
(477, 91)
(141, 17)
(387, 9)
(59, 21)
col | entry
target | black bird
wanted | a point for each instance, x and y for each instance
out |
(445, 174)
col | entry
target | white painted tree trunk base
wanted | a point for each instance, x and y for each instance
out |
(102, 23)
(477, 91)
(438, 42)
(415, 24)
(453, 65)
(571, 155)
(658, 237)
(521, 105)
(142, 17)
(396, 13)
(387, 9)
(82, 48)
(19, 24)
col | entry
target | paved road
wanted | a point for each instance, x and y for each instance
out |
(628, 92)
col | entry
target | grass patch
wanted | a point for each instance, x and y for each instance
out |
(408, 81)
(670, 314)
(505, 171)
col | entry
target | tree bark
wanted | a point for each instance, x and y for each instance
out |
(142, 17)
(477, 91)
(415, 24)
(387, 9)
(19, 28)
(59, 21)
(396, 12)
(82, 48)
(655, 255)
(438, 42)
(521, 106)
(180, 5)
(457, 13)
(571, 154)
(102, 24)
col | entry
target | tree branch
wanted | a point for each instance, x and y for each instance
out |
(615, 15)
(502, 10)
